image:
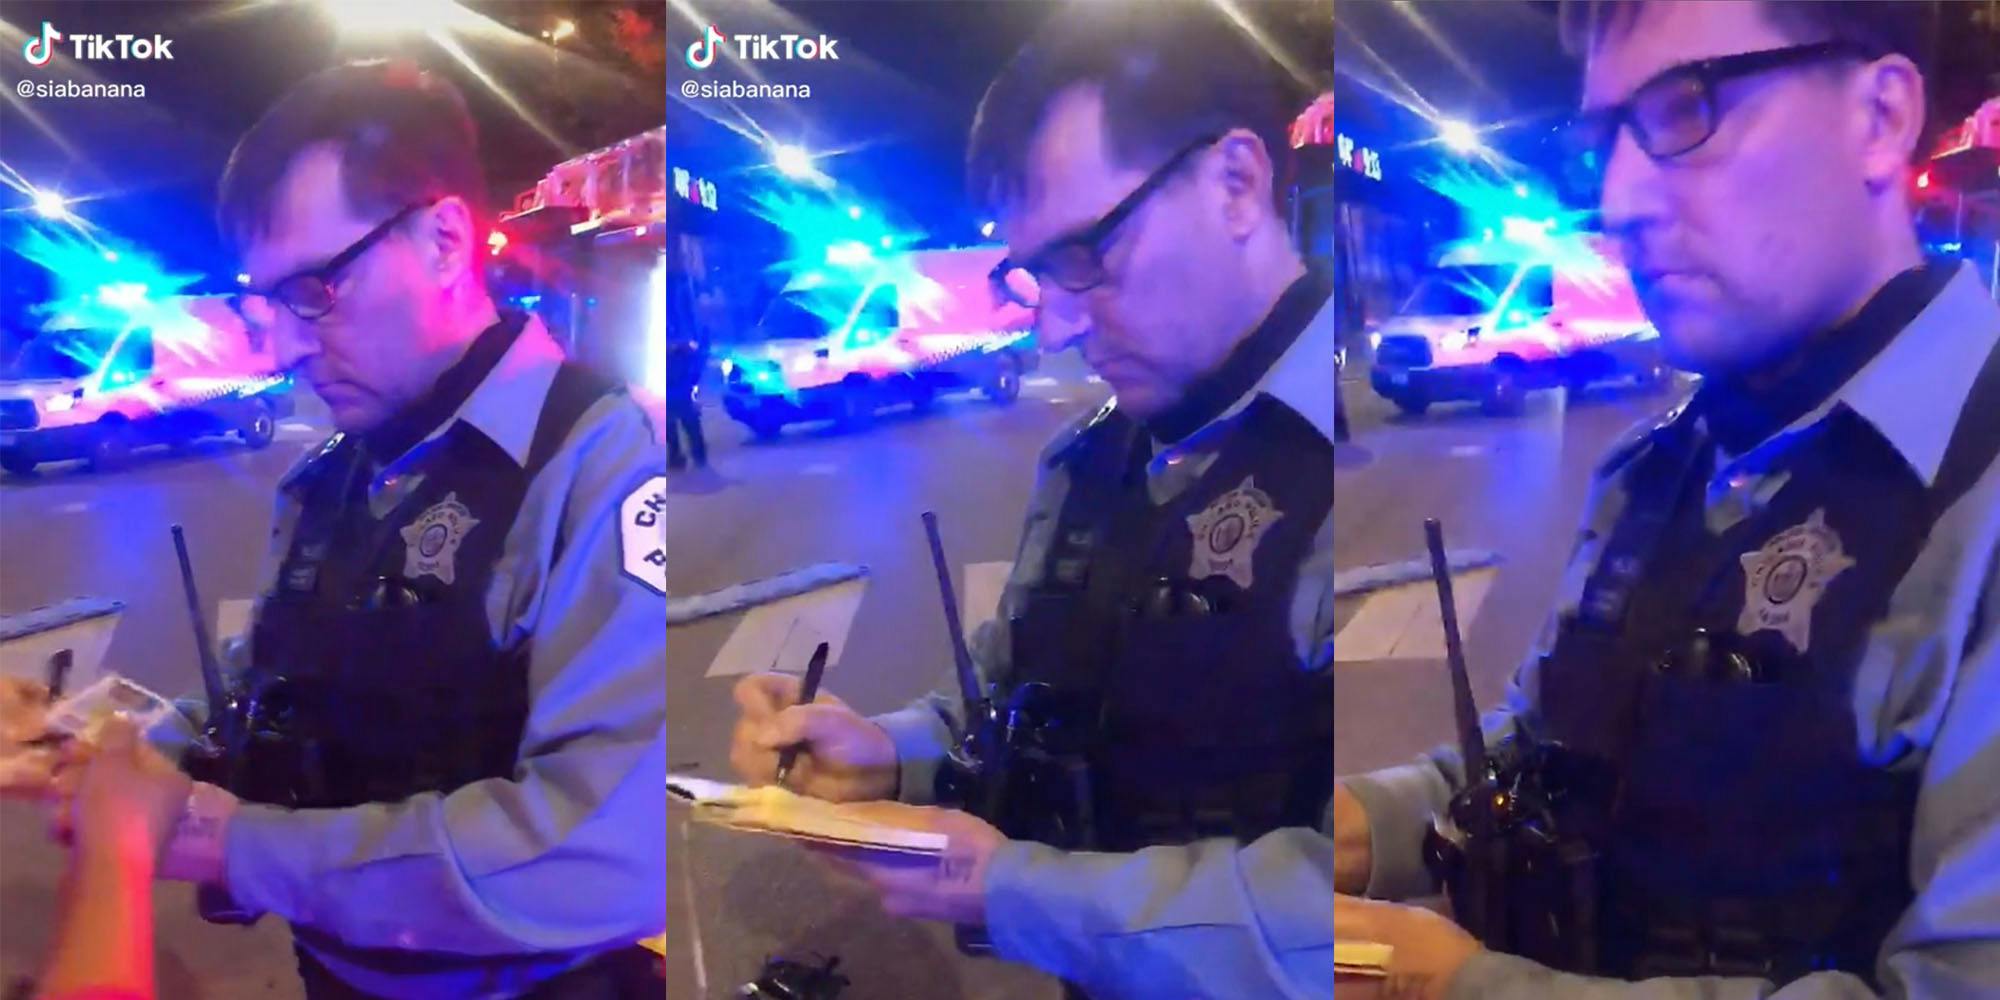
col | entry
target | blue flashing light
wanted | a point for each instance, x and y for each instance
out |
(854, 212)
(849, 253)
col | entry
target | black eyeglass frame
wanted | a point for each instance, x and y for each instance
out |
(325, 274)
(1094, 236)
(1596, 132)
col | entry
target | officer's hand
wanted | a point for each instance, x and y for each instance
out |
(1429, 949)
(842, 756)
(26, 772)
(951, 888)
(1351, 855)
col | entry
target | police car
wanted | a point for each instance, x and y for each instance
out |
(1492, 322)
(843, 352)
(97, 393)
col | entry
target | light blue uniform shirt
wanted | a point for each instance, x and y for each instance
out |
(567, 855)
(1926, 696)
(1215, 918)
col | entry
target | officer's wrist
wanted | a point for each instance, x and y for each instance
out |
(194, 853)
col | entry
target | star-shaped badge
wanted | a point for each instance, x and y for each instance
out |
(1226, 533)
(430, 543)
(1784, 580)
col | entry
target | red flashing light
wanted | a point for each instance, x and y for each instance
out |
(1923, 180)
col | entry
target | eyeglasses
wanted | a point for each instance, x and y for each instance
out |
(309, 293)
(1075, 262)
(1674, 112)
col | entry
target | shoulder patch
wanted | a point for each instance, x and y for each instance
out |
(642, 534)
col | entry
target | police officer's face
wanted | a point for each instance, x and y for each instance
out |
(1168, 310)
(374, 352)
(1767, 231)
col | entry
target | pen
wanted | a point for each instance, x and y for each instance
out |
(815, 669)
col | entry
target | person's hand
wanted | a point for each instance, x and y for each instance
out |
(128, 796)
(1429, 949)
(842, 757)
(1351, 855)
(950, 888)
(26, 771)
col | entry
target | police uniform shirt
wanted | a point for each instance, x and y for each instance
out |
(564, 858)
(1923, 695)
(1213, 918)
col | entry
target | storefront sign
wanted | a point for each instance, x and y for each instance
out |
(693, 189)
(1359, 159)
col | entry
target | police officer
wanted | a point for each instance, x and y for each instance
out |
(687, 357)
(448, 737)
(1777, 643)
(1174, 585)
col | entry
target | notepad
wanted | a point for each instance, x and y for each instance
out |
(1361, 958)
(775, 811)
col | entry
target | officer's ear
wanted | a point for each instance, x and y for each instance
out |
(1246, 175)
(449, 239)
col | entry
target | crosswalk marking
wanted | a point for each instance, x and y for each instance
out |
(1403, 623)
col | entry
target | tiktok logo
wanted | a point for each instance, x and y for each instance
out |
(700, 55)
(40, 50)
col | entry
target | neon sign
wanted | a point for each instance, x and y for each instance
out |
(693, 189)
(1360, 159)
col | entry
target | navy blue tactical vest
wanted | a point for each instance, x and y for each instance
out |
(1165, 634)
(374, 670)
(1712, 675)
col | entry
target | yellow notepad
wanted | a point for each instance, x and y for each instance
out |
(1361, 958)
(769, 809)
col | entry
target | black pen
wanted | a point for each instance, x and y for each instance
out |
(814, 671)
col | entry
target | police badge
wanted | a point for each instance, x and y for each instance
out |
(1784, 579)
(1226, 533)
(430, 543)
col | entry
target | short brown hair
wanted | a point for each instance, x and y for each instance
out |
(403, 134)
(1878, 26)
(1170, 73)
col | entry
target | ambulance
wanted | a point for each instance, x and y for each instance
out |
(925, 323)
(1495, 320)
(187, 368)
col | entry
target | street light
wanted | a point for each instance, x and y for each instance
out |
(792, 161)
(986, 230)
(50, 204)
(1458, 136)
(564, 28)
